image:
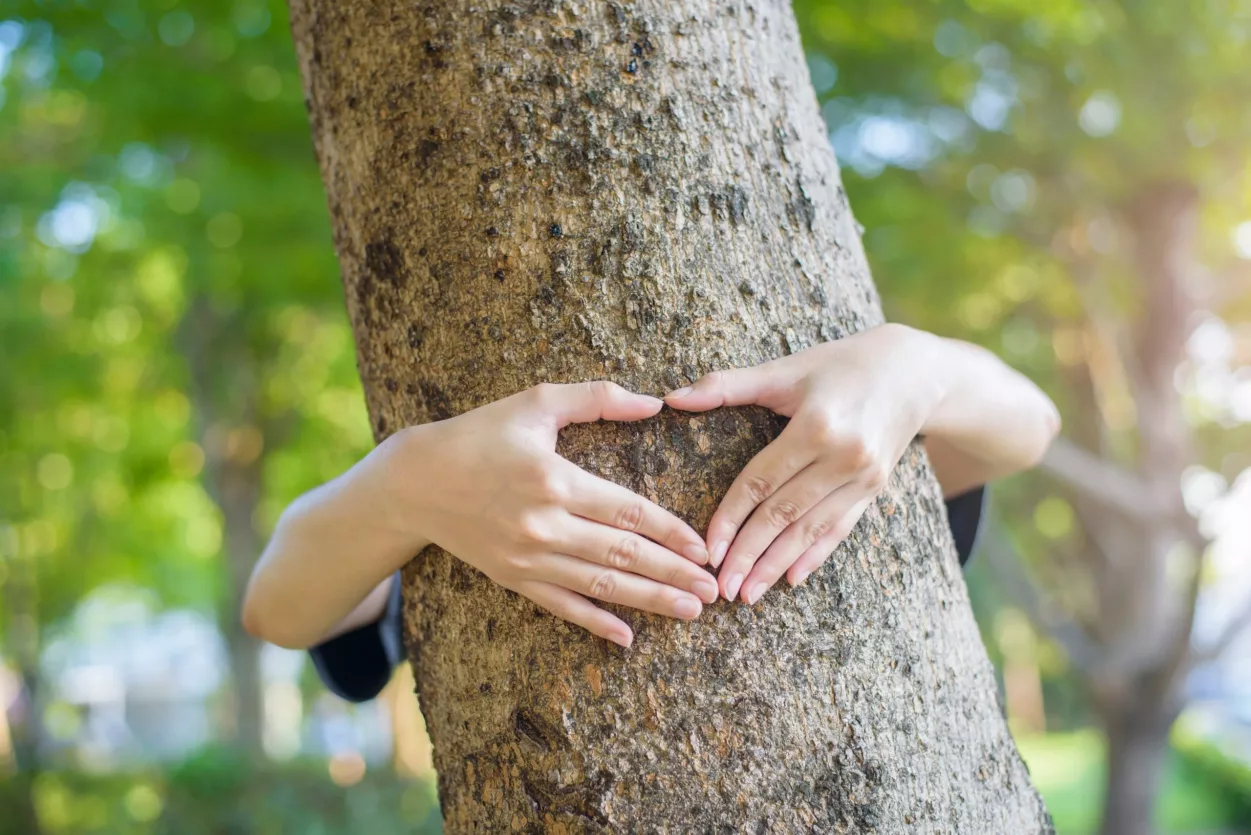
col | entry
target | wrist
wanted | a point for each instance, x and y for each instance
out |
(400, 491)
(925, 365)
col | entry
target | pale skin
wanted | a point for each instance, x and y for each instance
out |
(488, 487)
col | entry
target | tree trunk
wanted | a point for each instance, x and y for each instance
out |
(21, 645)
(553, 190)
(1137, 751)
(238, 492)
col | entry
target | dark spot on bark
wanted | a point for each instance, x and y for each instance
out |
(745, 287)
(632, 67)
(490, 629)
(801, 209)
(434, 52)
(535, 729)
(426, 148)
(385, 262)
(392, 385)
(352, 102)
(484, 687)
(492, 232)
(382, 425)
(583, 800)
(415, 335)
(499, 275)
(736, 203)
(422, 252)
(546, 294)
(437, 404)
(555, 231)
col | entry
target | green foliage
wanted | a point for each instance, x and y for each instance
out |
(216, 793)
(1068, 770)
(1229, 777)
(203, 316)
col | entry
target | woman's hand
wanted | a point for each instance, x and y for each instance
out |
(855, 405)
(488, 487)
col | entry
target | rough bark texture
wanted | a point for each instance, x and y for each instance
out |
(563, 191)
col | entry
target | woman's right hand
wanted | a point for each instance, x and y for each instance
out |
(488, 487)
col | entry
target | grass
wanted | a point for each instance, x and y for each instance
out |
(1068, 769)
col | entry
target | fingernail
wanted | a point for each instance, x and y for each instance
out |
(686, 608)
(803, 576)
(754, 594)
(732, 585)
(622, 638)
(697, 553)
(653, 401)
(706, 589)
(718, 553)
(682, 392)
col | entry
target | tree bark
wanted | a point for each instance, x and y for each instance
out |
(543, 190)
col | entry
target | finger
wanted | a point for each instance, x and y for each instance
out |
(576, 609)
(625, 551)
(832, 518)
(764, 385)
(823, 548)
(781, 511)
(589, 402)
(613, 586)
(772, 467)
(602, 501)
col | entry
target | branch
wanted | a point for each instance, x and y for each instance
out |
(1100, 480)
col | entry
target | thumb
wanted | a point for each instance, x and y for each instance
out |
(761, 384)
(589, 402)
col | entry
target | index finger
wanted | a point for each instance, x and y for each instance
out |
(763, 476)
(600, 500)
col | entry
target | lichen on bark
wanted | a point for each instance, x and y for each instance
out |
(554, 190)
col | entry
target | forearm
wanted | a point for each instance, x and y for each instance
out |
(990, 420)
(334, 549)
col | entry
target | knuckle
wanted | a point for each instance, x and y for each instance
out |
(824, 431)
(532, 528)
(629, 516)
(603, 586)
(814, 530)
(876, 476)
(855, 451)
(518, 564)
(624, 553)
(549, 487)
(759, 488)
(601, 389)
(714, 380)
(782, 514)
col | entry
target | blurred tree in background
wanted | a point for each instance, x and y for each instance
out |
(177, 364)
(1061, 182)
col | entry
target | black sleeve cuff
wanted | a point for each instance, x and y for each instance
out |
(964, 514)
(356, 665)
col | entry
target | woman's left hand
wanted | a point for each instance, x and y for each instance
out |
(855, 405)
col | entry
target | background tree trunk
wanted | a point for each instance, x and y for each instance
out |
(560, 191)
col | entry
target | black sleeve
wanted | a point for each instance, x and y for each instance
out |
(964, 514)
(357, 665)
